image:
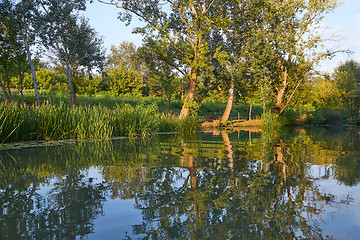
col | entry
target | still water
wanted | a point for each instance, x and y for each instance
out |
(301, 183)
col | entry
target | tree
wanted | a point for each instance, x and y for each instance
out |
(179, 25)
(124, 81)
(162, 79)
(61, 31)
(125, 70)
(237, 41)
(324, 92)
(8, 46)
(17, 22)
(126, 54)
(26, 12)
(289, 39)
(87, 45)
(347, 78)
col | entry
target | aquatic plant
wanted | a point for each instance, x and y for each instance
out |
(189, 125)
(21, 123)
(270, 120)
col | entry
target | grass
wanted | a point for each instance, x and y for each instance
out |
(22, 123)
(213, 109)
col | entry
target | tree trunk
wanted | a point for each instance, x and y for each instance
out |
(4, 94)
(72, 91)
(245, 102)
(169, 102)
(250, 109)
(281, 93)
(8, 94)
(66, 69)
(279, 98)
(229, 104)
(21, 85)
(33, 72)
(190, 96)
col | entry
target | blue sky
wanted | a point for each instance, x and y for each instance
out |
(343, 22)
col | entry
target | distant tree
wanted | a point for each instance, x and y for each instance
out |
(324, 93)
(125, 71)
(123, 80)
(347, 78)
(126, 55)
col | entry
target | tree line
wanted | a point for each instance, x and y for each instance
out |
(258, 50)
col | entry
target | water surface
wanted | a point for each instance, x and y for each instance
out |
(301, 183)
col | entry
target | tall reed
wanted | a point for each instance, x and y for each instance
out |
(130, 121)
(21, 123)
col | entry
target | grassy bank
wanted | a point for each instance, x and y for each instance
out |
(207, 109)
(22, 123)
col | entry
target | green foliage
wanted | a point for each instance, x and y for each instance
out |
(123, 80)
(289, 117)
(325, 93)
(168, 123)
(347, 78)
(271, 120)
(48, 79)
(85, 85)
(325, 116)
(189, 125)
(193, 106)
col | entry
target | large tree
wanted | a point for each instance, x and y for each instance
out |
(73, 40)
(289, 38)
(8, 46)
(237, 67)
(17, 23)
(179, 25)
(26, 14)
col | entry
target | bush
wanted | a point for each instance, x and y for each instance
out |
(271, 120)
(289, 117)
(326, 116)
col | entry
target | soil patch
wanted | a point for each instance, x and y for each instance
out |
(233, 123)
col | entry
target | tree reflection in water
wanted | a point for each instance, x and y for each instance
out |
(216, 185)
(230, 203)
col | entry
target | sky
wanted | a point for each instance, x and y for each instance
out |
(344, 22)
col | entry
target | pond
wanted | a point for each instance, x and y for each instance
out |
(300, 183)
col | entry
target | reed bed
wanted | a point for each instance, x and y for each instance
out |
(22, 123)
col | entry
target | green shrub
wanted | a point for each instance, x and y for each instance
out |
(289, 117)
(271, 120)
(167, 123)
(326, 116)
